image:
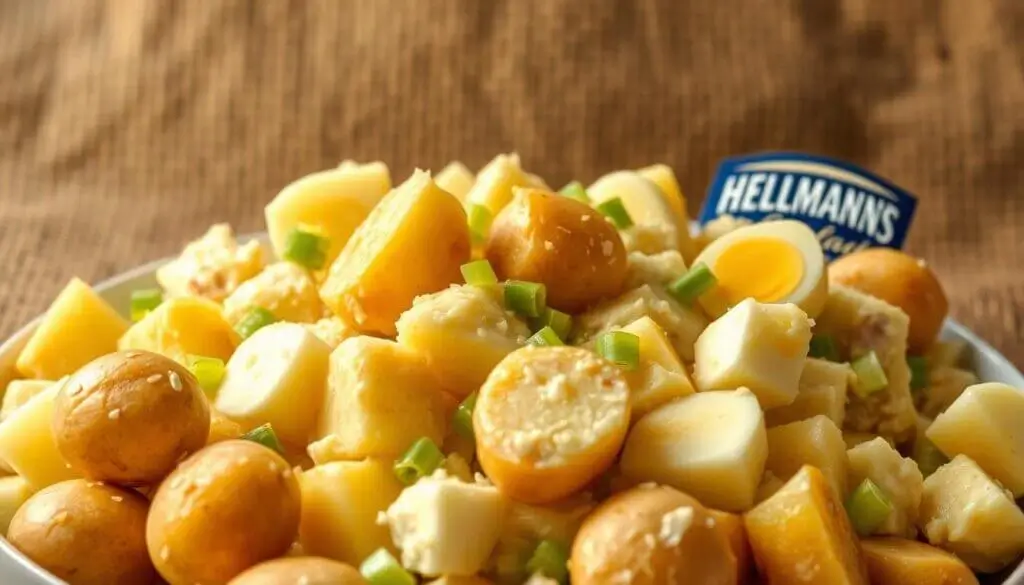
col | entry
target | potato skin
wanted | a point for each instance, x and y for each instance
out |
(900, 280)
(558, 241)
(635, 530)
(308, 570)
(86, 533)
(128, 417)
(224, 509)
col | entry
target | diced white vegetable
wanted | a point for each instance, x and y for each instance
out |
(660, 376)
(822, 390)
(815, 441)
(897, 476)
(27, 444)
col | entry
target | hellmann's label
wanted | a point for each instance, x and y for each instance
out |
(849, 208)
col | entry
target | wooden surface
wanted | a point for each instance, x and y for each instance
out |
(128, 126)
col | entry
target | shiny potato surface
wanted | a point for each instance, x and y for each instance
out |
(306, 570)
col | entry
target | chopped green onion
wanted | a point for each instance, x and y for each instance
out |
(479, 273)
(616, 212)
(381, 568)
(870, 375)
(209, 371)
(306, 249)
(557, 320)
(255, 318)
(528, 299)
(551, 560)
(868, 507)
(419, 461)
(824, 347)
(575, 190)
(265, 435)
(918, 372)
(145, 300)
(462, 420)
(479, 218)
(928, 456)
(690, 286)
(620, 347)
(545, 337)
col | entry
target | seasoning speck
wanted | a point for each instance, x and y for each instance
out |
(165, 552)
(154, 378)
(175, 381)
(586, 217)
(548, 245)
(117, 498)
(114, 414)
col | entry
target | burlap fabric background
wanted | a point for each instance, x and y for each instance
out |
(128, 126)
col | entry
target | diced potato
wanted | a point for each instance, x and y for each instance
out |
(945, 385)
(494, 183)
(411, 244)
(946, 354)
(277, 376)
(822, 390)
(78, 327)
(445, 526)
(456, 179)
(524, 525)
(985, 424)
(27, 443)
(755, 345)
(462, 580)
(853, 438)
(682, 324)
(896, 561)
(927, 456)
(731, 525)
(897, 476)
(802, 535)
(660, 377)
(662, 176)
(284, 289)
(656, 222)
(380, 399)
(13, 493)
(814, 441)
(656, 270)
(332, 203)
(770, 483)
(687, 444)
(19, 392)
(331, 330)
(212, 266)
(649, 238)
(462, 332)
(967, 513)
(222, 428)
(181, 327)
(340, 504)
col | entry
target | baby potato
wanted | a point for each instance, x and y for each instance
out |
(651, 535)
(900, 280)
(228, 507)
(86, 533)
(560, 242)
(305, 570)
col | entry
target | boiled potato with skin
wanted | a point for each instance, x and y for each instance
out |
(548, 420)
(224, 509)
(283, 288)
(801, 534)
(86, 533)
(14, 491)
(456, 179)
(304, 570)
(182, 327)
(822, 390)
(660, 377)
(277, 376)
(900, 280)
(462, 332)
(815, 441)
(897, 561)
(651, 535)
(561, 243)
(897, 476)
(412, 243)
(27, 442)
(130, 417)
(78, 327)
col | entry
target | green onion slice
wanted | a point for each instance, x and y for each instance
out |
(918, 372)
(479, 218)
(255, 318)
(479, 273)
(824, 347)
(545, 337)
(550, 559)
(575, 190)
(380, 568)
(689, 287)
(620, 347)
(870, 375)
(462, 420)
(528, 299)
(616, 212)
(265, 435)
(209, 371)
(145, 300)
(306, 249)
(928, 457)
(419, 461)
(868, 507)
(557, 320)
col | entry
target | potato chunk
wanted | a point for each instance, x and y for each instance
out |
(462, 332)
(331, 330)
(14, 491)
(821, 390)
(656, 270)
(897, 476)
(731, 526)
(212, 266)
(814, 441)
(711, 445)
(801, 535)
(756, 345)
(494, 183)
(412, 243)
(284, 289)
(182, 327)
(660, 377)
(967, 513)
(78, 327)
(663, 176)
(895, 561)
(945, 385)
(19, 392)
(525, 525)
(985, 424)
(28, 444)
(456, 179)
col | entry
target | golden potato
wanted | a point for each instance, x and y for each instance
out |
(560, 242)
(222, 428)
(895, 561)
(228, 507)
(731, 525)
(86, 533)
(651, 535)
(900, 280)
(129, 417)
(181, 327)
(306, 570)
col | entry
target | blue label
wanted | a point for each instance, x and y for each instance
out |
(849, 208)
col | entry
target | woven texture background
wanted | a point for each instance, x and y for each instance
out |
(128, 126)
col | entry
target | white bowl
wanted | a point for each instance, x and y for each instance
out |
(16, 569)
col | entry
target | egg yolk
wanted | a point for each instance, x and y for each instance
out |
(767, 269)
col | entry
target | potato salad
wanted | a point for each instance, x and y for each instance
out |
(472, 379)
